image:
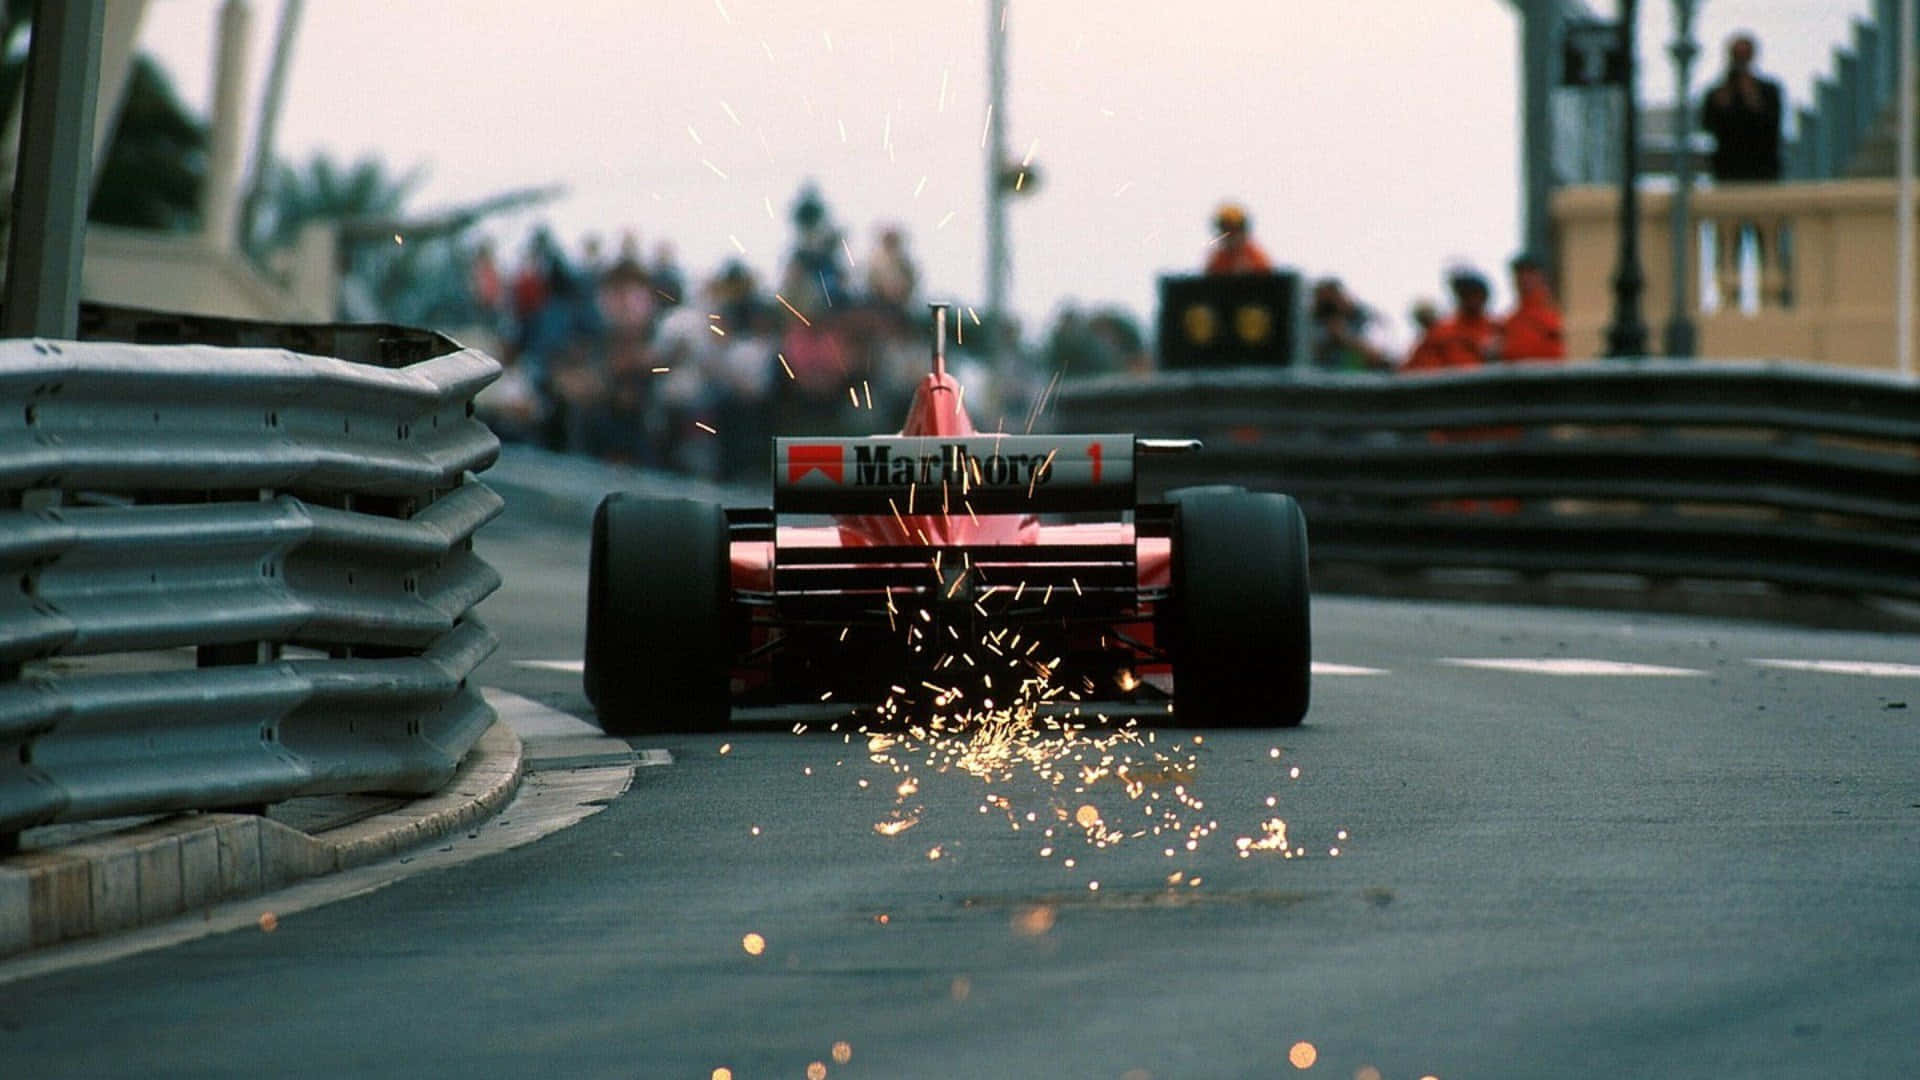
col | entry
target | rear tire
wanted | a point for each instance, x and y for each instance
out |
(660, 619)
(1182, 494)
(1240, 626)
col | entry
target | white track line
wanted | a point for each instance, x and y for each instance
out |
(1322, 668)
(1568, 666)
(1878, 669)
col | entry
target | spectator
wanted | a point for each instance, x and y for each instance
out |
(1465, 339)
(892, 279)
(814, 281)
(1743, 113)
(1425, 314)
(1234, 251)
(1343, 333)
(488, 288)
(669, 284)
(1534, 330)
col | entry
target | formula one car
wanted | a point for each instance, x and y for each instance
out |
(942, 569)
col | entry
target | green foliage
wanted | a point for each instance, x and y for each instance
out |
(157, 161)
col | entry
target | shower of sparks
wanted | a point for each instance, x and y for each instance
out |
(1031, 147)
(843, 128)
(754, 944)
(766, 48)
(943, 221)
(844, 246)
(986, 128)
(726, 748)
(723, 10)
(695, 135)
(398, 239)
(827, 36)
(817, 1070)
(919, 187)
(944, 73)
(795, 311)
(702, 425)
(716, 169)
(768, 203)
(975, 315)
(737, 245)
(842, 1052)
(731, 115)
(1122, 189)
(660, 370)
(784, 366)
(717, 332)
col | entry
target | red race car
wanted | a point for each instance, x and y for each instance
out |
(941, 570)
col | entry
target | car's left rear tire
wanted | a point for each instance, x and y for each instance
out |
(660, 621)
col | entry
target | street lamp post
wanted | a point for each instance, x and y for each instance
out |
(998, 345)
(1679, 335)
(1627, 336)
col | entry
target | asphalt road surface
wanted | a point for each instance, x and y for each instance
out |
(1568, 845)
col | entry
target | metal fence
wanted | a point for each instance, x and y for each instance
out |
(1795, 477)
(240, 570)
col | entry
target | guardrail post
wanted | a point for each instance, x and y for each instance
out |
(51, 180)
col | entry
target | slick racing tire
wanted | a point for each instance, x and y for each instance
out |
(660, 625)
(1240, 629)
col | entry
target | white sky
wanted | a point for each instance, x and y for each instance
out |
(1372, 139)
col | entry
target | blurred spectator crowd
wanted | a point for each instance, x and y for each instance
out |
(624, 358)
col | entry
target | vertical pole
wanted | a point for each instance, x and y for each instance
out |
(1679, 336)
(219, 214)
(1903, 301)
(939, 337)
(1540, 27)
(53, 176)
(1628, 335)
(997, 258)
(119, 35)
(269, 122)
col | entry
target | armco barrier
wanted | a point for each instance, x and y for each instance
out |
(240, 570)
(1794, 477)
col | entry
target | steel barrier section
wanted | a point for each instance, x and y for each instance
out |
(1790, 475)
(240, 573)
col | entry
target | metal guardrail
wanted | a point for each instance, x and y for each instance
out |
(1797, 477)
(239, 574)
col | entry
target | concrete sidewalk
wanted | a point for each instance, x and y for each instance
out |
(85, 880)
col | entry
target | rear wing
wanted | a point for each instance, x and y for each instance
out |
(984, 474)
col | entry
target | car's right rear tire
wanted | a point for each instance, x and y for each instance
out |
(660, 622)
(1240, 628)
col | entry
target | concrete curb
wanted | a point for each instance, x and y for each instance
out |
(161, 869)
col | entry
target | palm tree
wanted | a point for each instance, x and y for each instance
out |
(395, 267)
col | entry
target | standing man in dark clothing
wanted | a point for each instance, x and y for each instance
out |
(1743, 112)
